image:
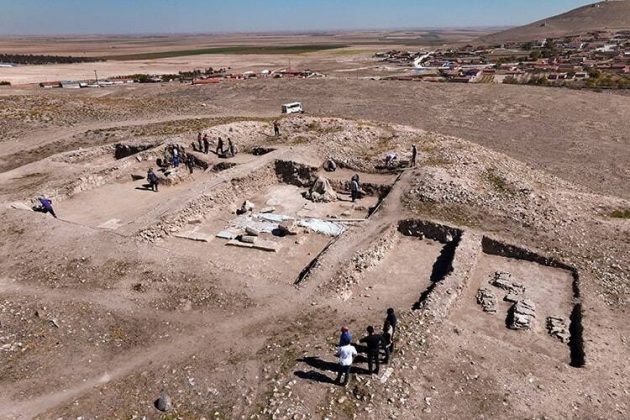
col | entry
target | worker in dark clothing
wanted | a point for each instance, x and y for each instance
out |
(219, 150)
(189, 163)
(393, 322)
(206, 144)
(199, 141)
(153, 180)
(373, 343)
(231, 148)
(46, 206)
(414, 153)
(388, 332)
(276, 129)
(391, 317)
(354, 188)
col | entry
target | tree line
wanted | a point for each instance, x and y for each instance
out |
(45, 59)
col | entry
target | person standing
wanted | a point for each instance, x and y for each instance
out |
(393, 322)
(276, 129)
(175, 156)
(345, 337)
(373, 343)
(414, 153)
(388, 332)
(46, 206)
(346, 355)
(206, 144)
(199, 141)
(189, 163)
(231, 148)
(153, 180)
(354, 188)
(219, 150)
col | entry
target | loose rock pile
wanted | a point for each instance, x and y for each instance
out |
(521, 315)
(487, 300)
(321, 191)
(503, 280)
(557, 327)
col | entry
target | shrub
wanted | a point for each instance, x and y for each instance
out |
(621, 214)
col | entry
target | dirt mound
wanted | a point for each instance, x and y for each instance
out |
(607, 15)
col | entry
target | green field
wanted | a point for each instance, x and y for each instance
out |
(242, 50)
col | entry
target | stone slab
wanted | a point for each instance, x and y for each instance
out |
(112, 224)
(195, 235)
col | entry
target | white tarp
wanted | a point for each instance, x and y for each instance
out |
(267, 223)
(323, 227)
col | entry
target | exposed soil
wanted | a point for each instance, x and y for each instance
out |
(112, 304)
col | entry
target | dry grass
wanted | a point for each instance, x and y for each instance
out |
(621, 214)
(498, 182)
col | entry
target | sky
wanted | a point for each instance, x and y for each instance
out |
(64, 17)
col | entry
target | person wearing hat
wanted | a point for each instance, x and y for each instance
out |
(345, 337)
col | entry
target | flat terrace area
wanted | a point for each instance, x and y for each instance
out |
(550, 289)
(400, 279)
(121, 204)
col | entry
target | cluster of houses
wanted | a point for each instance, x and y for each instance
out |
(569, 59)
(196, 78)
(274, 74)
(75, 84)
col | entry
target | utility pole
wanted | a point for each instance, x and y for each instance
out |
(96, 77)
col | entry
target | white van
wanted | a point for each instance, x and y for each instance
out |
(292, 108)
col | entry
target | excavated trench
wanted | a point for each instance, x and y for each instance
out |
(222, 166)
(448, 236)
(122, 150)
(303, 176)
(576, 343)
(259, 151)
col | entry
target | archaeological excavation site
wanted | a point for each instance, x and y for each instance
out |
(175, 279)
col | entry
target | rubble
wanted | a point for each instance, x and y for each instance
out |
(321, 191)
(557, 327)
(247, 206)
(252, 231)
(288, 227)
(503, 280)
(521, 315)
(487, 300)
(330, 165)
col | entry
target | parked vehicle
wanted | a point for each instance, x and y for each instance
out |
(292, 108)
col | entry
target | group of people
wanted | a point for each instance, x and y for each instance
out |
(203, 142)
(178, 154)
(374, 344)
(203, 145)
(229, 151)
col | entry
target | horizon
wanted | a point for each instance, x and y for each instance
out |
(65, 18)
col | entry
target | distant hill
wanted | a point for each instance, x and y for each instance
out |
(606, 15)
